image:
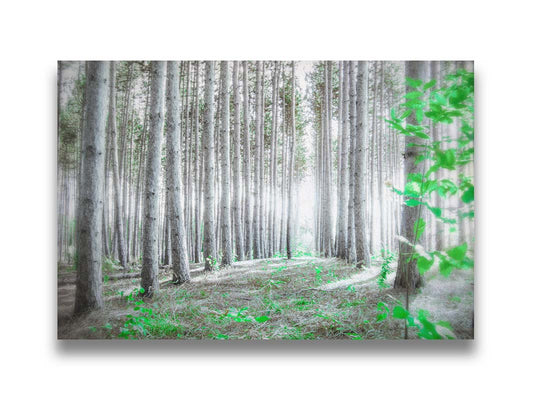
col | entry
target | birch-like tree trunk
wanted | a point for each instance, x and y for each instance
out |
(237, 226)
(326, 182)
(248, 215)
(112, 126)
(150, 258)
(407, 274)
(273, 164)
(197, 170)
(180, 259)
(225, 220)
(361, 233)
(139, 178)
(291, 165)
(350, 248)
(90, 203)
(258, 166)
(209, 169)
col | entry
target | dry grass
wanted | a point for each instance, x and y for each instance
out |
(305, 298)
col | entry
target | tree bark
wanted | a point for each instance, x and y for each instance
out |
(248, 215)
(116, 178)
(237, 227)
(291, 165)
(180, 259)
(258, 166)
(407, 274)
(227, 251)
(150, 264)
(209, 169)
(90, 203)
(361, 233)
(350, 253)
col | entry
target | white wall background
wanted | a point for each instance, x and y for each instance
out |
(36, 34)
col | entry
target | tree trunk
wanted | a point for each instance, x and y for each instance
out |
(150, 264)
(407, 274)
(361, 233)
(237, 227)
(209, 171)
(248, 215)
(258, 166)
(180, 259)
(273, 164)
(350, 253)
(227, 251)
(291, 165)
(116, 179)
(90, 202)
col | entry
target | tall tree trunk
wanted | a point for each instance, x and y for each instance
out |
(180, 259)
(209, 171)
(248, 215)
(326, 184)
(350, 253)
(237, 227)
(407, 274)
(89, 242)
(150, 267)
(291, 166)
(227, 251)
(273, 164)
(258, 166)
(197, 172)
(340, 236)
(139, 180)
(361, 233)
(282, 230)
(116, 178)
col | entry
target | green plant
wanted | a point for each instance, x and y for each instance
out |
(426, 329)
(385, 268)
(454, 101)
(139, 320)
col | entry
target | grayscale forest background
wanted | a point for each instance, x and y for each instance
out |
(362, 170)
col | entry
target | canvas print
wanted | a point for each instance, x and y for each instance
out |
(265, 200)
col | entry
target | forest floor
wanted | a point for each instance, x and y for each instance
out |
(304, 298)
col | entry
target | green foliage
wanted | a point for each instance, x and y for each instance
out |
(140, 320)
(426, 328)
(452, 102)
(386, 268)
(383, 311)
(444, 105)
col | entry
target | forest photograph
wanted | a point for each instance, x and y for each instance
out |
(265, 200)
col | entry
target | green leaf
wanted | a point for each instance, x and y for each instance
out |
(421, 135)
(400, 313)
(468, 195)
(445, 268)
(445, 324)
(418, 228)
(413, 95)
(436, 211)
(420, 118)
(412, 202)
(414, 83)
(439, 99)
(424, 264)
(406, 114)
(412, 189)
(262, 318)
(430, 84)
(458, 253)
